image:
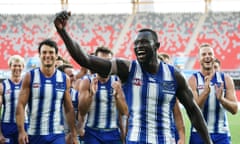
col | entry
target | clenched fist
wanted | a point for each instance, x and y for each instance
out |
(61, 19)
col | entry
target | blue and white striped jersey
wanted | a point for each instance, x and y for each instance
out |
(46, 103)
(213, 111)
(10, 100)
(151, 99)
(103, 111)
(74, 96)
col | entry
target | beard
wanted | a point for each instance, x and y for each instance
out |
(48, 65)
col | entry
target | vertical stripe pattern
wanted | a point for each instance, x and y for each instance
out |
(213, 111)
(45, 103)
(103, 111)
(10, 100)
(150, 99)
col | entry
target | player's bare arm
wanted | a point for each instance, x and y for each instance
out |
(2, 138)
(69, 111)
(22, 101)
(185, 96)
(120, 98)
(229, 102)
(178, 117)
(85, 98)
(200, 99)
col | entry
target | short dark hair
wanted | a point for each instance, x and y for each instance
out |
(151, 31)
(50, 43)
(64, 66)
(217, 61)
(163, 56)
(204, 45)
(103, 50)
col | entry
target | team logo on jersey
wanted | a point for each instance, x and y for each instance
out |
(36, 85)
(168, 87)
(60, 86)
(151, 79)
(137, 82)
(8, 91)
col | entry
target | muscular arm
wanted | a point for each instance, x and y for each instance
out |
(69, 111)
(122, 108)
(179, 122)
(120, 99)
(96, 64)
(229, 102)
(200, 99)
(22, 101)
(185, 96)
(1, 102)
(85, 98)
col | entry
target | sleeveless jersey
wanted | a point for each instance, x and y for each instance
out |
(74, 96)
(103, 111)
(45, 103)
(214, 113)
(150, 100)
(10, 100)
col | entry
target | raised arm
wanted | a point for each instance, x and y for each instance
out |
(96, 64)
(185, 96)
(101, 66)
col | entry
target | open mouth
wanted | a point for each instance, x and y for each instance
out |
(141, 53)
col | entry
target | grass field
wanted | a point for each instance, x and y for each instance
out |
(234, 124)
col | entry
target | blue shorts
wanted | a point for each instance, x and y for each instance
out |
(47, 139)
(10, 132)
(99, 136)
(195, 138)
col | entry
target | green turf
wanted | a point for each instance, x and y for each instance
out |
(234, 124)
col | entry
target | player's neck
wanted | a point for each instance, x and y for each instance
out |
(102, 80)
(16, 79)
(152, 67)
(206, 72)
(48, 71)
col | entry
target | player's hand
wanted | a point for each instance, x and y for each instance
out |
(94, 86)
(207, 80)
(116, 85)
(23, 138)
(61, 19)
(2, 139)
(219, 91)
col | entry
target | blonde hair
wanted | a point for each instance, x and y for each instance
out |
(15, 58)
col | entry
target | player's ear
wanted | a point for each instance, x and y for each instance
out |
(157, 45)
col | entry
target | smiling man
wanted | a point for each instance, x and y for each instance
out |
(150, 103)
(9, 91)
(45, 90)
(215, 94)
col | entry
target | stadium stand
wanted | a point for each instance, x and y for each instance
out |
(222, 31)
(20, 34)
